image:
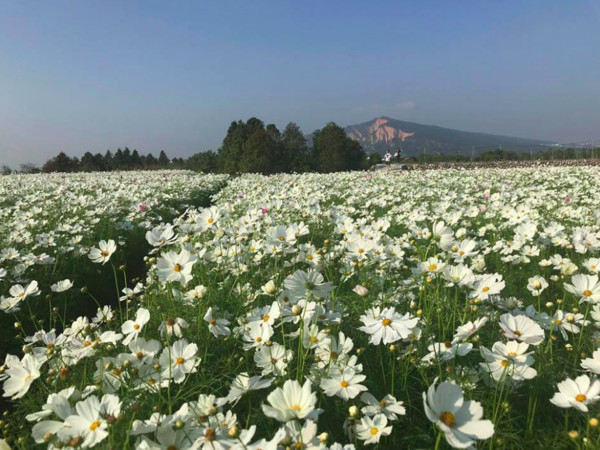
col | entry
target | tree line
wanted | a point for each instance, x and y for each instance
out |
(248, 147)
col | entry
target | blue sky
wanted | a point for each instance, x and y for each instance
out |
(79, 76)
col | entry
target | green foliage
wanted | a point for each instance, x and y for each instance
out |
(333, 151)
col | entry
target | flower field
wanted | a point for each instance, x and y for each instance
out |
(436, 309)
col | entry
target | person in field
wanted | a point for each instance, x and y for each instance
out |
(388, 158)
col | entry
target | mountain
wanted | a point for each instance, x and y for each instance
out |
(384, 133)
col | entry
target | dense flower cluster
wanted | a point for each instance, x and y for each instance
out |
(335, 311)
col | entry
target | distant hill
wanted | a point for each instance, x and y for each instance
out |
(384, 133)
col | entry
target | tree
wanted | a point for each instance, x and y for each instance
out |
(231, 149)
(333, 151)
(60, 163)
(5, 170)
(295, 151)
(163, 160)
(108, 160)
(258, 155)
(88, 163)
(136, 160)
(29, 168)
(207, 162)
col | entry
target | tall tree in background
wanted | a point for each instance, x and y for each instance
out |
(61, 163)
(295, 150)
(333, 151)
(163, 160)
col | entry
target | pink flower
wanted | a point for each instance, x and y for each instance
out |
(367, 176)
(486, 195)
(264, 210)
(143, 207)
(482, 208)
(567, 199)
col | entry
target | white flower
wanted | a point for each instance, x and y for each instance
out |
(89, 422)
(536, 285)
(21, 293)
(132, 328)
(104, 252)
(21, 375)
(179, 360)
(459, 420)
(468, 329)
(586, 287)
(293, 401)
(592, 364)
(243, 384)
(273, 359)
(508, 361)
(218, 327)
(360, 290)
(177, 267)
(301, 284)
(445, 351)
(269, 288)
(387, 325)
(62, 286)
(370, 429)
(521, 328)
(577, 393)
(172, 327)
(343, 383)
(388, 406)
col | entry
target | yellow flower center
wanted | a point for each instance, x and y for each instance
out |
(386, 322)
(282, 238)
(581, 398)
(360, 250)
(211, 220)
(517, 333)
(94, 425)
(448, 418)
(136, 327)
(104, 254)
(177, 268)
(432, 267)
(558, 322)
(309, 257)
(266, 318)
(344, 384)
(295, 407)
(180, 361)
(374, 431)
(383, 403)
(485, 289)
(504, 363)
(139, 355)
(587, 293)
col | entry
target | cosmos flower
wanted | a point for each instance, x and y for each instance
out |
(578, 393)
(292, 401)
(386, 325)
(176, 267)
(104, 251)
(371, 429)
(460, 420)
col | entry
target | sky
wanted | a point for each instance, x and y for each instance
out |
(79, 76)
